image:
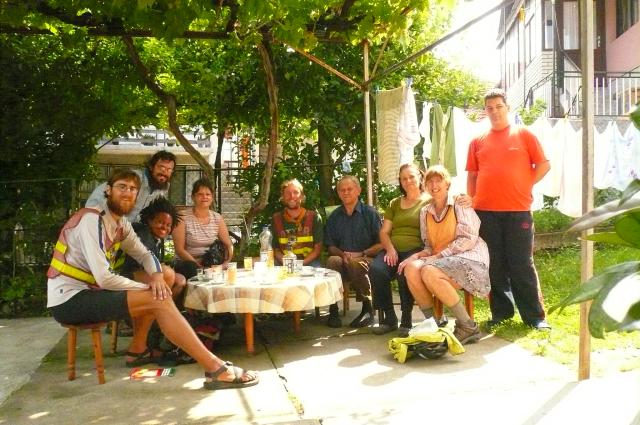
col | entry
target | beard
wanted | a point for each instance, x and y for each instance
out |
(118, 208)
(156, 185)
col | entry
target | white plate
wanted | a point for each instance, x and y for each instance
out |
(195, 282)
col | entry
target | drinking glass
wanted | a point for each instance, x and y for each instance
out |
(248, 263)
(232, 273)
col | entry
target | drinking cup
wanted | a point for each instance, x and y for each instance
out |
(248, 263)
(208, 273)
(232, 273)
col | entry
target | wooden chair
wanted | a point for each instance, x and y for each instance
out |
(346, 294)
(96, 337)
(468, 305)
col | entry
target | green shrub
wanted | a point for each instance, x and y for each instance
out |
(549, 220)
(25, 294)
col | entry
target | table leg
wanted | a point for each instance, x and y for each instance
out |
(248, 332)
(296, 321)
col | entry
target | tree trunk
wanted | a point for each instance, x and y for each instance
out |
(218, 164)
(265, 185)
(325, 172)
(170, 102)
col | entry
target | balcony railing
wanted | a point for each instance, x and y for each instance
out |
(615, 94)
(149, 136)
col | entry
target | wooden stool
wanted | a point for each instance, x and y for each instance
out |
(468, 305)
(96, 337)
(114, 337)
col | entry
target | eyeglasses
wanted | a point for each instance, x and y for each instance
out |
(168, 170)
(124, 188)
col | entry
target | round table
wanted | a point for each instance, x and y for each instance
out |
(251, 295)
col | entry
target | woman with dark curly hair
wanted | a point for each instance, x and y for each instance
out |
(157, 220)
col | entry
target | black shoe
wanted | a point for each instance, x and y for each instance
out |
(403, 331)
(363, 320)
(406, 320)
(492, 323)
(334, 321)
(384, 328)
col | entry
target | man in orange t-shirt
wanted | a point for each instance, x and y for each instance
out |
(503, 165)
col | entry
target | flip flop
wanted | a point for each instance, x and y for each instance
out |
(237, 382)
(140, 359)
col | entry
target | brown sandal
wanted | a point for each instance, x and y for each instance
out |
(237, 382)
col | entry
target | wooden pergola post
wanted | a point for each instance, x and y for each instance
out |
(367, 123)
(586, 247)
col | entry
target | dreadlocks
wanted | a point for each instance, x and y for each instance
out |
(160, 205)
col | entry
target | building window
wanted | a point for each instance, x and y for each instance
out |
(549, 27)
(627, 13)
(571, 25)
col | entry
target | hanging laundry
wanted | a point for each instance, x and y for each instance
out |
(553, 135)
(443, 139)
(408, 133)
(542, 129)
(425, 130)
(570, 200)
(601, 152)
(397, 125)
(619, 169)
(388, 104)
(633, 136)
(464, 131)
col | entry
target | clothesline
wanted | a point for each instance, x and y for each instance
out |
(446, 134)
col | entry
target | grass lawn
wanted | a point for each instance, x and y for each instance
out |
(559, 271)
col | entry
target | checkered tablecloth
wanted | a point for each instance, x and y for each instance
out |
(295, 293)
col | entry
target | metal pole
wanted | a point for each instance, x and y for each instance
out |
(586, 247)
(367, 124)
(433, 45)
(554, 79)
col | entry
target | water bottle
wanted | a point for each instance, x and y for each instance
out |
(266, 250)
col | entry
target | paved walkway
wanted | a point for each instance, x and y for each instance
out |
(324, 376)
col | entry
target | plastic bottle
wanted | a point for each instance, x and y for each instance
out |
(266, 250)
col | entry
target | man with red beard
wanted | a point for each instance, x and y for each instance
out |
(82, 287)
(154, 184)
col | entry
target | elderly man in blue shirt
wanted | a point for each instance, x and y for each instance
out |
(352, 240)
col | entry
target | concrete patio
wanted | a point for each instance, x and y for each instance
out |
(322, 376)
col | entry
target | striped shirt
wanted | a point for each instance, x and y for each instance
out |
(199, 237)
(467, 243)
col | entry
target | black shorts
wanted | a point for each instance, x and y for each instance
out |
(92, 306)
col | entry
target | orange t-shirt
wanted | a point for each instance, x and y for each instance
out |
(503, 160)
